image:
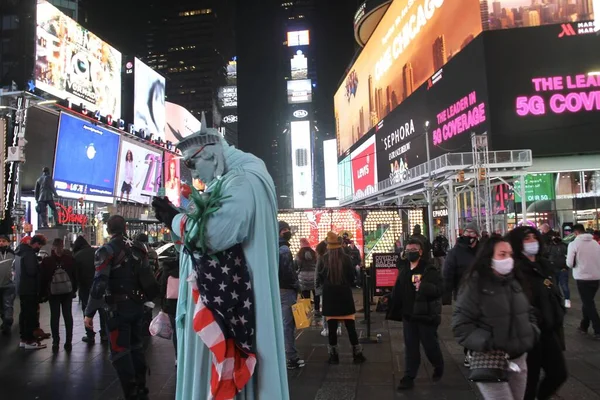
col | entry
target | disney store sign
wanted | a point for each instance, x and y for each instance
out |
(66, 215)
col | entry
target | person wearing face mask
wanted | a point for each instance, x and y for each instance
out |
(544, 295)
(492, 313)
(7, 285)
(458, 260)
(416, 301)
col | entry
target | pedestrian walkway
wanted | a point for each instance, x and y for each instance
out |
(87, 373)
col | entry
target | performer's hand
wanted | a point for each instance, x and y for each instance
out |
(89, 323)
(165, 210)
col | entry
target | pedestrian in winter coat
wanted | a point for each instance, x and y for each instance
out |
(493, 313)
(306, 265)
(426, 243)
(416, 301)
(557, 256)
(459, 260)
(59, 286)
(336, 276)
(7, 284)
(169, 278)
(545, 297)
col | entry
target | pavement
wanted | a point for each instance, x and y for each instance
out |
(87, 373)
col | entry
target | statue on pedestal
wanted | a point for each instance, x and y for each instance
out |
(44, 195)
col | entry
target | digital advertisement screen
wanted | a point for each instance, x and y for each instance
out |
(298, 38)
(299, 91)
(330, 168)
(413, 40)
(173, 178)
(552, 104)
(345, 179)
(42, 125)
(140, 172)
(72, 63)
(537, 187)
(180, 123)
(509, 14)
(299, 64)
(85, 163)
(149, 103)
(364, 169)
(227, 96)
(302, 164)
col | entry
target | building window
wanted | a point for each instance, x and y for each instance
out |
(191, 13)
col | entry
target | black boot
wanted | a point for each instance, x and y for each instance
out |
(334, 357)
(358, 355)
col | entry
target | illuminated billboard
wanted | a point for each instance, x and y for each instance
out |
(330, 168)
(149, 103)
(364, 169)
(227, 97)
(298, 38)
(74, 64)
(299, 91)
(140, 172)
(180, 122)
(302, 164)
(413, 40)
(299, 64)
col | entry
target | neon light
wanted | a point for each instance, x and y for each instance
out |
(66, 215)
(461, 116)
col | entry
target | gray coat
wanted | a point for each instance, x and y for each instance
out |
(44, 188)
(493, 313)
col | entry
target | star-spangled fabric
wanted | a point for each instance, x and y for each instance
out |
(224, 318)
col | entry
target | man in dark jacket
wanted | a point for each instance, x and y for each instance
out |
(28, 275)
(44, 195)
(426, 243)
(85, 271)
(459, 259)
(152, 255)
(288, 289)
(416, 302)
(7, 285)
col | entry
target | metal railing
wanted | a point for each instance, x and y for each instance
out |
(448, 163)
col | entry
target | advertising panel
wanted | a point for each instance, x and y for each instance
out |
(345, 179)
(526, 13)
(298, 38)
(227, 96)
(364, 169)
(453, 102)
(140, 172)
(173, 178)
(180, 122)
(537, 187)
(85, 163)
(149, 104)
(386, 271)
(299, 91)
(301, 164)
(330, 168)
(552, 104)
(72, 63)
(413, 40)
(299, 64)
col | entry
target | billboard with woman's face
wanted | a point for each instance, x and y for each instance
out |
(172, 178)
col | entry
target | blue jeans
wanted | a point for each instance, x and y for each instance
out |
(563, 282)
(289, 297)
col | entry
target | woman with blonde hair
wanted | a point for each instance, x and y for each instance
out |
(335, 276)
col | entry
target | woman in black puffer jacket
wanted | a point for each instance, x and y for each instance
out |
(306, 265)
(546, 299)
(492, 312)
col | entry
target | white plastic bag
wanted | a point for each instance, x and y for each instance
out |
(161, 326)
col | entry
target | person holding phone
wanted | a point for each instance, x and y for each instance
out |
(417, 302)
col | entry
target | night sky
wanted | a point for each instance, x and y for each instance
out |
(260, 92)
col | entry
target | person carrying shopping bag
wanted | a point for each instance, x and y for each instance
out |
(306, 265)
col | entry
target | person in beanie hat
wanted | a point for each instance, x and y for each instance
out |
(426, 243)
(304, 243)
(288, 289)
(458, 261)
(336, 276)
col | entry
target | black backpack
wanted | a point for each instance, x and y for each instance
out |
(135, 255)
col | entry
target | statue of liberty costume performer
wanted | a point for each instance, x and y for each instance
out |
(242, 214)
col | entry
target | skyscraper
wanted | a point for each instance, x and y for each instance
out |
(531, 18)
(585, 9)
(408, 81)
(439, 52)
(497, 7)
(485, 15)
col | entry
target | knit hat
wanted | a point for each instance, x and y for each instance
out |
(333, 241)
(304, 243)
(472, 226)
(283, 225)
(5, 237)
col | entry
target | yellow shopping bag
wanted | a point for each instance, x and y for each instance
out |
(301, 316)
(307, 304)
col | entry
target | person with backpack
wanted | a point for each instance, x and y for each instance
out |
(124, 281)
(59, 286)
(440, 250)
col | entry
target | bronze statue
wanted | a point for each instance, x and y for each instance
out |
(44, 195)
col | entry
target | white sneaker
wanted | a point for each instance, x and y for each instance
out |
(34, 346)
(339, 331)
(325, 332)
(567, 303)
(22, 345)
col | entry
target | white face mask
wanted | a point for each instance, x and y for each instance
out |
(503, 267)
(531, 249)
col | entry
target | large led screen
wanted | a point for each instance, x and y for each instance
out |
(149, 103)
(330, 167)
(364, 169)
(302, 164)
(552, 104)
(413, 40)
(180, 122)
(298, 38)
(140, 172)
(299, 91)
(345, 179)
(85, 163)
(173, 178)
(227, 96)
(299, 66)
(72, 63)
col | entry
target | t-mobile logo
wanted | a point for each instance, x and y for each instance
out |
(567, 30)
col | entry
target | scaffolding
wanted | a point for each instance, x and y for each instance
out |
(482, 182)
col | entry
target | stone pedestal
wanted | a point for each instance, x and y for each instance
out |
(51, 234)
